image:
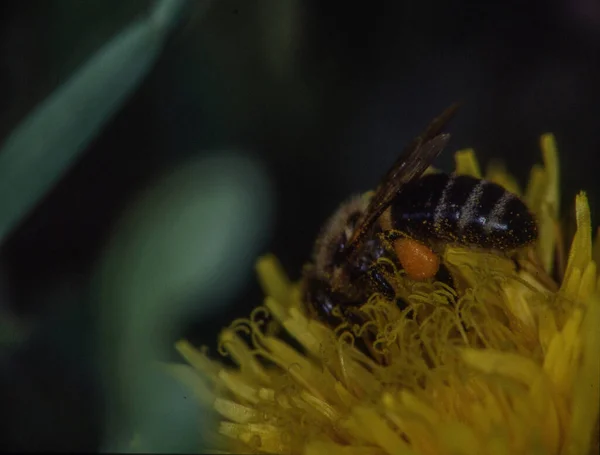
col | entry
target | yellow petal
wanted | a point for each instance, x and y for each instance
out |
(496, 172)
(466, 163)
(197, 359)
(260, 437)
(457, 438)
(380, 432)
(234, 411)
(236, 383)
(194, 382)
(588, 281)
(518, 300)
(563, 352)
(550, 154)
(414, 404)
(273, 279)
(239, 352)
(511, 365)
(331, 448)
(297, 325)
(596, 247)
(536, 188)
(542, 197)
(316, 380)
(586, 385)
(546, 327)
(542, 403)
(580, 253)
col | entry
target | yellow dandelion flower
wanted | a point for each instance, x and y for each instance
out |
(507, 365)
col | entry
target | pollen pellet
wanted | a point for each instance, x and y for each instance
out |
(418, 261)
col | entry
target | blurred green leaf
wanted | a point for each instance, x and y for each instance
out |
(192, 238)
(49, 140)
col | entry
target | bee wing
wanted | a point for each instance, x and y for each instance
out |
(415, 159)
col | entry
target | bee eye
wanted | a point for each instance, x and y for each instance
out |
(339, 256)
(418, 261)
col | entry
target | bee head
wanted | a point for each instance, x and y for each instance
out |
(330, 250)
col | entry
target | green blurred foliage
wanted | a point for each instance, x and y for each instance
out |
(183, 244)
(178, 244)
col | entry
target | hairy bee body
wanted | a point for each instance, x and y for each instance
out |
(408, 219)
(331, 280)
(436, 208)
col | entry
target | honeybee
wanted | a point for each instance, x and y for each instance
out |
(409, 219)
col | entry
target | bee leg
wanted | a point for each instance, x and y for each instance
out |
(377, 275)
(444, 276)
(322, 301)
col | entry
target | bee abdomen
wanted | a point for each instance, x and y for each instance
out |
(463, 210)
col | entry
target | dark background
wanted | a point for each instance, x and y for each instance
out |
(323, 94)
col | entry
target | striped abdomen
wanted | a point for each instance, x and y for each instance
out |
(464, 210)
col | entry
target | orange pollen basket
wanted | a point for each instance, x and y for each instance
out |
(418, 261)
